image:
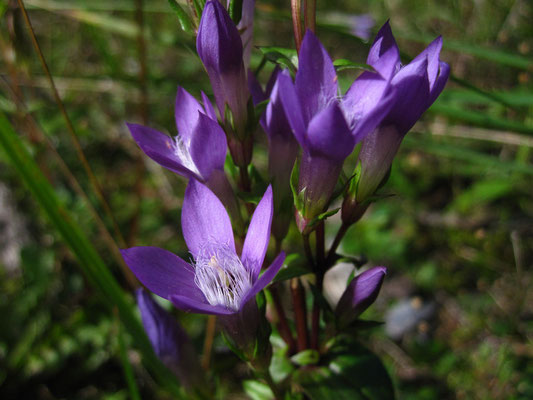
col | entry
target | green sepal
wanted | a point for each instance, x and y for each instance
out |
(298, 197)
(233, 347)
(263, 350)
(321, 217)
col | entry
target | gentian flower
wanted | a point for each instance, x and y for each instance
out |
(359, 295)
(220, 48)
(327, 127)
(417, 84)
(218, 281)
(282, 150)
(169, 340)
(197, 152)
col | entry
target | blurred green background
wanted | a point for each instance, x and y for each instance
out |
(456, 232)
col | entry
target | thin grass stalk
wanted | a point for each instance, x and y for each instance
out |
(108, 239)
(70, 127)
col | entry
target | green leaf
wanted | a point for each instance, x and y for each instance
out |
(88, 258)
(280, 367)
(342, 63)
(126, 365)
(184, 18)
(257, 390)
(296, 265)
(306, 357)
(351, 371)
(281, 56)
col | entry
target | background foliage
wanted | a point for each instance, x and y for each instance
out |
(456, 233)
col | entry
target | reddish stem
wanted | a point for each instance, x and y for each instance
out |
(296, 11)
(300, 313)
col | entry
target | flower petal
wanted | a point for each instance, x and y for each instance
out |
(258, 95)
(189, 305)
(218, 42)
(208, 107)
(438, 87)
(316, 80)
(186, 113)
(360, 294)
(291, 105)
(384, 54)
(204, 219)
(164, 332)
(258, 235)
(432, 52)
(208, 146)
(162, 272)
(264, 279)
(220, 49)
(412, 93)
(274, 121)
(329, 135)
(367, 102)
(160, 148)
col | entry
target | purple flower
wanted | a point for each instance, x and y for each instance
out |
(417, 86)
(197, 152)
(169, 341)
(282, 150)
(218, 281)
(198, 149)
(327, 127)
(220, 48)
(359, 295)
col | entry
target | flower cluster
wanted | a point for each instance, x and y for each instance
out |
(311, 129)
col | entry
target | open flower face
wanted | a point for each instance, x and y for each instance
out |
(217, 281)
(198, 149)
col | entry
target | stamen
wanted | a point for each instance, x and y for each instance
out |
(181, 150)
(221, 276)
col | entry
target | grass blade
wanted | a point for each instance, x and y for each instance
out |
(89, 260)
